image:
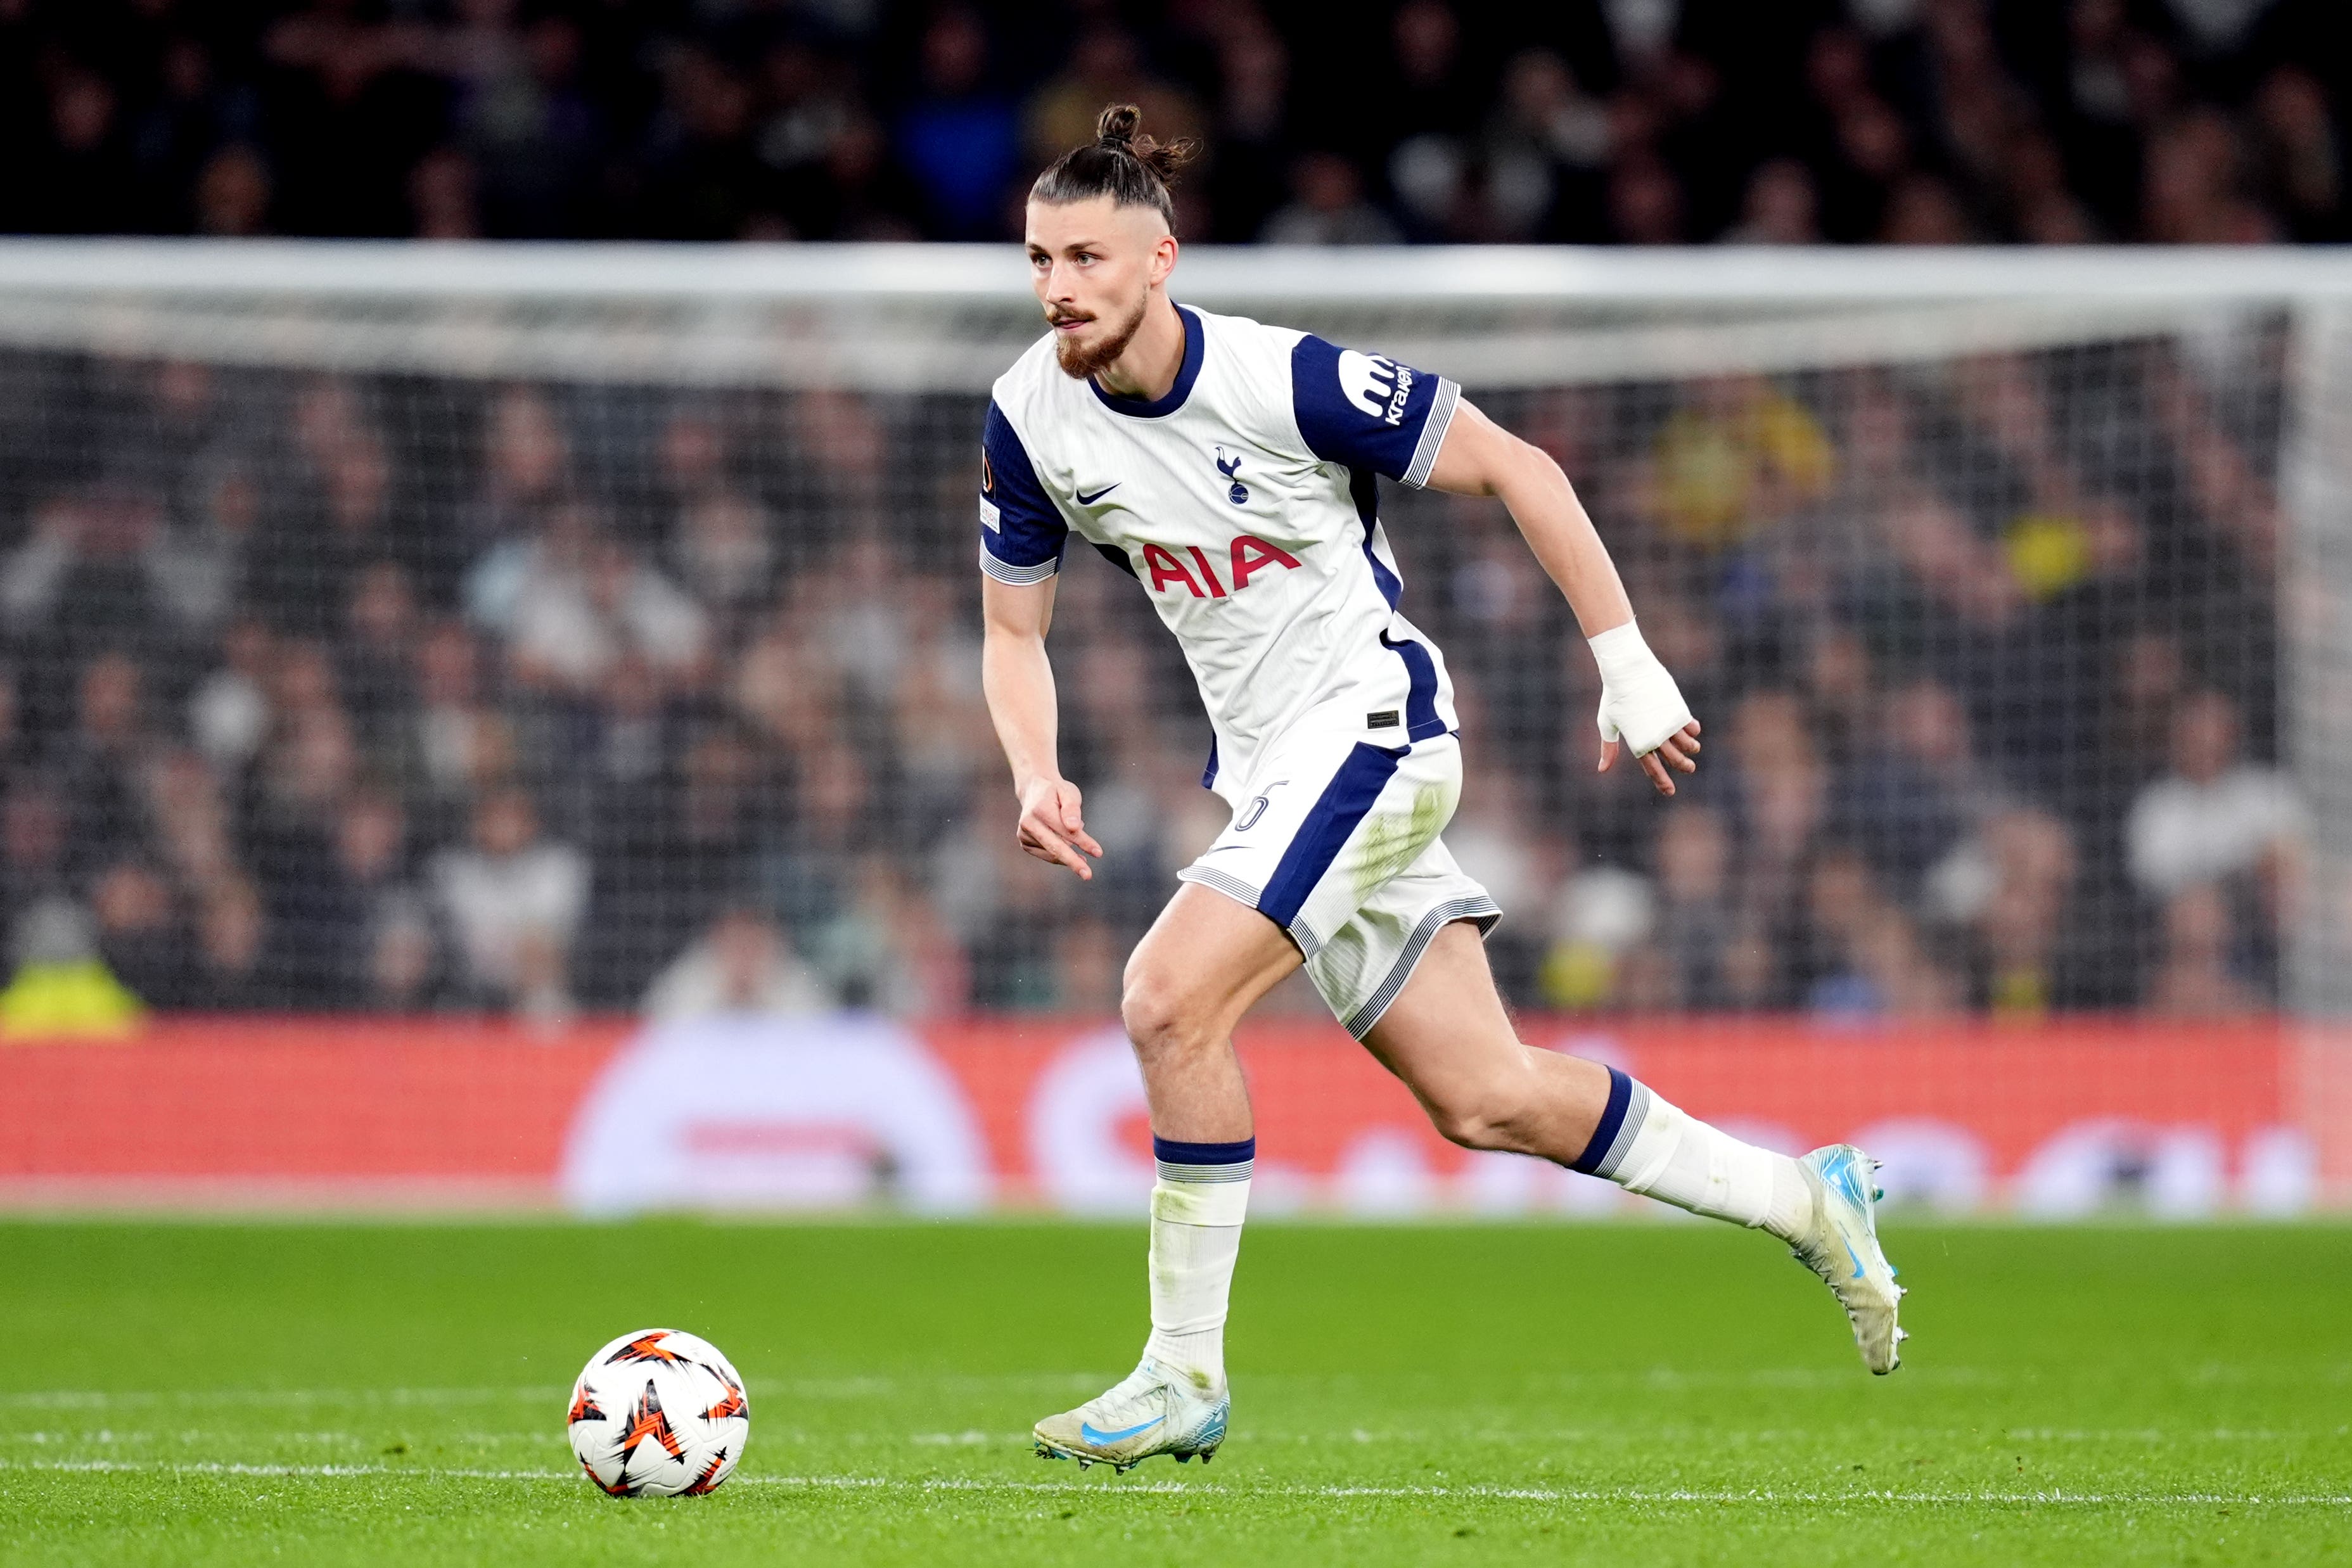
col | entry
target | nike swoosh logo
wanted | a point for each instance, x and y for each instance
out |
(1087, 1430)
(1842, 1171)
(1086, 500)
(1857, 1258)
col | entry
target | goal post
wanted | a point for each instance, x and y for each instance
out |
(398, 630)
(2315, 673)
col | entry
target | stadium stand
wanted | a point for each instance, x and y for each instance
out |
(396, 692)
(1648, 121)
(393, 692)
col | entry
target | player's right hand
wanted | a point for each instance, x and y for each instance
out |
(1052, 826)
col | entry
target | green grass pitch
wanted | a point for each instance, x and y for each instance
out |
(1618, 1394)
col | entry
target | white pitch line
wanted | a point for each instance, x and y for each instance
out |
(1659, 1379)
(1663, 1379)
(96, 1399)
(1549, 1494)
(785, 1388)
(1245, 1490)
(973, 1438)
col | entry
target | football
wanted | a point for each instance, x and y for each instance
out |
(658, 1414)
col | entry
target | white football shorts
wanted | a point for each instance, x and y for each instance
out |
(1335, 841)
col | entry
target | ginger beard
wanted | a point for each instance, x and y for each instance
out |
(1080, 360)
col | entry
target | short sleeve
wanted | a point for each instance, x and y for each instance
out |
(1369, 412)
(1021, 532)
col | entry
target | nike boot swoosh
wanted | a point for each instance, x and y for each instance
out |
(1086, 500)
(1087, 1430)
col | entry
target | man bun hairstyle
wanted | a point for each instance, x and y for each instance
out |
(1132, 169)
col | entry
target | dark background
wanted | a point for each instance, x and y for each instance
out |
(399, 692)
(1585, 121)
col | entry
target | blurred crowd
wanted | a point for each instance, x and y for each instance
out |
(1986, 659)
(402, 693)
(1636, 122)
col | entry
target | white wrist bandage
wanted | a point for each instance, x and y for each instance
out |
(1640, 703)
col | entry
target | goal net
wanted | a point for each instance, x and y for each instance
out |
(572, 631)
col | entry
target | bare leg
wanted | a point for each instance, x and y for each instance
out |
(1449, 1039)
(1199, 967)
(1196, 971)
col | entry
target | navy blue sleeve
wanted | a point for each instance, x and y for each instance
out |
(1369, 412)
(1021, 532)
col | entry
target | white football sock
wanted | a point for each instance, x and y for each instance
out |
(1197, 1208)
(1648, 1145)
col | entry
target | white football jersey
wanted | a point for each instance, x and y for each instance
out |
(1245, 503)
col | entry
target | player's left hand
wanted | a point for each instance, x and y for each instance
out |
(1678, 751)
(1642, 709)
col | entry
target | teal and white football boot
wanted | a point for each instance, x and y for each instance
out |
(1148, 1412)
(1843, 1249)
